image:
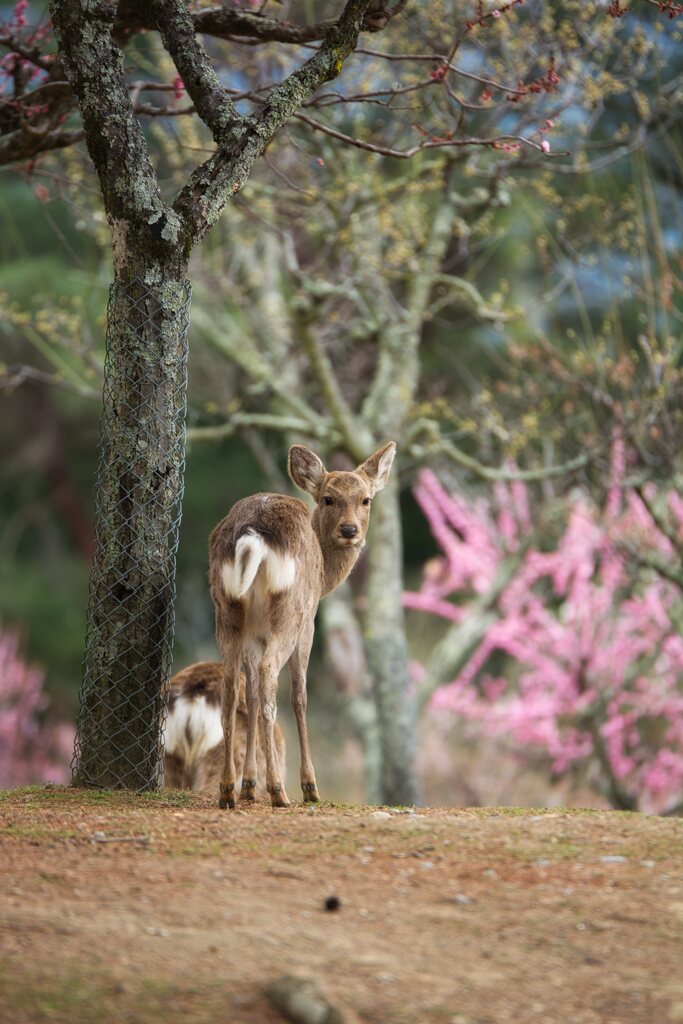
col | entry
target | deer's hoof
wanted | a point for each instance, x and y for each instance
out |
(310, 792)
(278, 797)
(247, 791)
(227, 797)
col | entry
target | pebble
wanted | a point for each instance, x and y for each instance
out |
(461, 898)
(99, 836)
(380, 815)
(613, 859)
(302, 1000)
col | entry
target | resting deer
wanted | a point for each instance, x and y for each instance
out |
(270, 562)
(193, 737)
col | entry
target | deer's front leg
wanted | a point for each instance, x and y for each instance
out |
(298, 663)
(230, 695)
(268, 671)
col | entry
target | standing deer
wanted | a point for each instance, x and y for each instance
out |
(270, 563)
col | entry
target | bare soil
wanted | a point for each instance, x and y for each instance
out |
(122, 908)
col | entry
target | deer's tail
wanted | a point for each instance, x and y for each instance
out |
(251, 550)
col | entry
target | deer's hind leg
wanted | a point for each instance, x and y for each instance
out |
(298, 664)
(268, 673)
(232, 663)
(252, 694)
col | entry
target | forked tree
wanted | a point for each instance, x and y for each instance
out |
(140, 475)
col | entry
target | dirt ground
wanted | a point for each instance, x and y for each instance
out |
(122, 908)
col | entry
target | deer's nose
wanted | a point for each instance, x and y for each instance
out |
(349, 530)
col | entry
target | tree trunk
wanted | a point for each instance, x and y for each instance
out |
(387, 651)
(345, 653)
(138, 493)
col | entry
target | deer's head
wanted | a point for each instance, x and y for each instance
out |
(343, 500)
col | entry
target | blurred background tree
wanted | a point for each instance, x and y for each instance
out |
(484, 301)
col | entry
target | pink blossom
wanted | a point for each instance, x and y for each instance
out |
(32, 748)
(589, 662)
(545, 146)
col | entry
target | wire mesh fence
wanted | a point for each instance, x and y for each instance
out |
(138, 495)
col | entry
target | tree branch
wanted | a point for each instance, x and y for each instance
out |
(201, 201)
(356, 439)
(93, 64)
(266, 421)
(244, 26)
(436, 444)
(23, 145)
(203, 85)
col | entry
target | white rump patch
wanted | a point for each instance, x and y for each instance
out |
(193, 728)
(280, 571)
(250, 551)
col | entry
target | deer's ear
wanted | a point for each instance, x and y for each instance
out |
(378, 466)
(306, 469)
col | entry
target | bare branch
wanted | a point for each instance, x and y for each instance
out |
(436, 444)
(494, 142)
(266, 421)
(356, 439)
(22, 145)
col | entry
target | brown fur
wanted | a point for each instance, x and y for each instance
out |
(202, 774)
(270, 562)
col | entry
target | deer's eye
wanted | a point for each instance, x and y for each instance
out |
(366, 501)
(327, 500)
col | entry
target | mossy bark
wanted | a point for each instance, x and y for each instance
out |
(138, 493)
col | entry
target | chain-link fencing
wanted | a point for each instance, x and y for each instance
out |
(138, 495)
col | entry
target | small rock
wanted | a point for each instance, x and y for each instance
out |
(613, 859)
(302, 1001)
(426, 865)
(461, 898)
(98, 836)
(647, 863)
(332, 903)
(161, 932)
(380, 815)
(490, 873)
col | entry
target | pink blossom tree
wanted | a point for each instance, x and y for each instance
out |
(32, 749)
(580, 656)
